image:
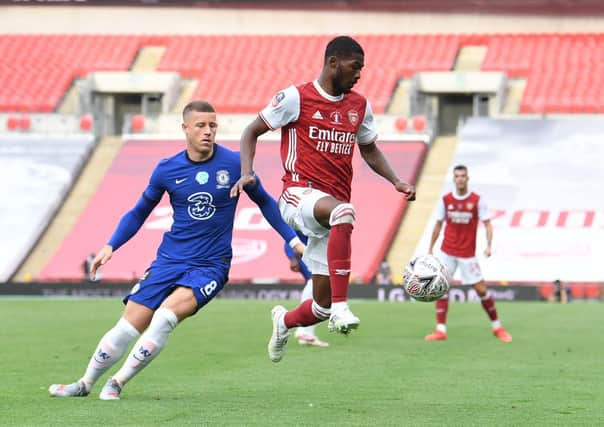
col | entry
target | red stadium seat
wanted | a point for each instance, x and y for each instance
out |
(12, 123)
(564, 71)
(138, 123)
(419, 123)
(86, 122)
(24, 122)
(400, 124)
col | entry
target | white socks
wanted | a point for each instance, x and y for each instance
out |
(337, 306)
(307, 291)
(148, 345)
(110, 349)
(306, 294)
(441, 327)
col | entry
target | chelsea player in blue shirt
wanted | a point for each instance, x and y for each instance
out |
(193, 258)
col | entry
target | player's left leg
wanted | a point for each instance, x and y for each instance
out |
(472, 274)
(309, 312)
(488, 303)
(306, 335)
(186, 299)
(109, 350)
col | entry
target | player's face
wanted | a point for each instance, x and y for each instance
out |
(200, 131)
(347, 72)
(460, 178)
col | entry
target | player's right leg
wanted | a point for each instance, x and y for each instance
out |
(340, 218)
(328, 224)
(110, 349)
(442, 304)
(440, 333)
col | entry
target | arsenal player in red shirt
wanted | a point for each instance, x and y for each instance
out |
(461, 210)
(321, 122)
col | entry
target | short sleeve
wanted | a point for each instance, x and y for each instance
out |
(155, 189)
(284, 108)
(483, 210)
(367, 132)
(440, 210)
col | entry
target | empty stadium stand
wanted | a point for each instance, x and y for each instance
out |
(239, 73)
(37, 70)
(36, 173)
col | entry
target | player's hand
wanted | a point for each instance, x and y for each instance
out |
(242, 182)
(407, 189)
(294, 265)
(299, 249)
(487, 252)
(101, 258)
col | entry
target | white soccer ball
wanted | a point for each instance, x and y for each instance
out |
(425, 278)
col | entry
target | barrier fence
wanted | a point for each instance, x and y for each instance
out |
(382, 293)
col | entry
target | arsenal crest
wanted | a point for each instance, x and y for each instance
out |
(353, 116)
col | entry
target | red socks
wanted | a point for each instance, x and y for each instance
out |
(442, 306)
(338, 259)
(489, 306)
(301, 315)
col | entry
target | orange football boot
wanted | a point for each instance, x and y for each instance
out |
(436, 336)
(502, 334)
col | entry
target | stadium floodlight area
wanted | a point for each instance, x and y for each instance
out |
(36, 173)
(539, 179)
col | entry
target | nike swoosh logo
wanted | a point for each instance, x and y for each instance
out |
(178, 181)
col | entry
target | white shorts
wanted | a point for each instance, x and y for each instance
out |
(297, 206)
(469, 268)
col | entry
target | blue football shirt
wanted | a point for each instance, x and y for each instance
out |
(201, 233)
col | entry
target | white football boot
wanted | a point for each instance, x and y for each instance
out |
(77, 389)
(342, 320)
(278, 341)
(111, 390)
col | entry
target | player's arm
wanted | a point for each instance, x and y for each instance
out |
(270, 210)
(376, 160)
(283, 109)
(373, 156)
(489, 230)
(438, 225)
(128, 226)
(435, 233)
(131, 222)
(483, 215)
(247, 151)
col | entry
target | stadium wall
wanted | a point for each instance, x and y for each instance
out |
(174, 20)
(382, 293)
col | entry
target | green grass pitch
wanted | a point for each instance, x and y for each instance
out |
(215, 369)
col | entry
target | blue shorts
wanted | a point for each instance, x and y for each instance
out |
(160, 280)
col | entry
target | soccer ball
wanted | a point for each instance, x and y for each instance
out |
(425, 278)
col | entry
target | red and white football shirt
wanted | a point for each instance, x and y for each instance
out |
(318, 135)
(461, 215)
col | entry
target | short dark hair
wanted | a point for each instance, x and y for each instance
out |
(343, 46)
(460, 168)
(198, 106)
